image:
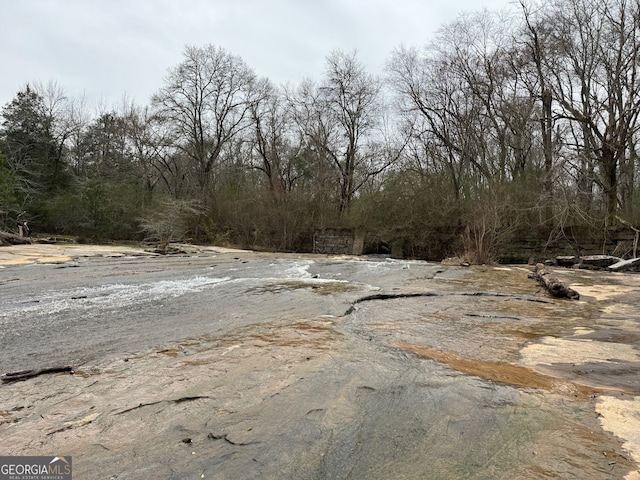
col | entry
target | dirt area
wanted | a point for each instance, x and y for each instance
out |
(275, 366)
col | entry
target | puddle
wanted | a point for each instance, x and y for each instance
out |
(512, 280)
(169, 352)
(198, 362)
(602, 292)
(315, 335)
(526, 335)
(320, 286)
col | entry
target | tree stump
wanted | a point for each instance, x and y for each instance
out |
(554, 286)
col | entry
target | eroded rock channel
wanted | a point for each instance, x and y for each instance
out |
(245, 365)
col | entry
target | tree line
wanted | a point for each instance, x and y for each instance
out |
(506, 124)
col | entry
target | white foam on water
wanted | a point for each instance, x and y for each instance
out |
(95, 300)
(296, 270)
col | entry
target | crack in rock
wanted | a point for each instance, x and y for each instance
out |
(225, 437)
(176, 401)
(392, 296)
(387, 296)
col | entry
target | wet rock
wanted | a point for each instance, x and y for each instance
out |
(427, 377)
(26, 374)
(567, 261)
(597, 262)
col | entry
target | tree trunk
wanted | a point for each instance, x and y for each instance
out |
(547, 147)
(552, 284)
(610, 164)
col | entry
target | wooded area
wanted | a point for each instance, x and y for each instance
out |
(506, 128)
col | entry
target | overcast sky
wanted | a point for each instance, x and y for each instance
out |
(109, 48)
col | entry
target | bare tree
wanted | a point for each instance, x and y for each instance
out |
(157, 150)
(205, 99)
(433, 105)
(58, 112)
(340, 120)
(272, 138)
(592, 64)
(536, 39)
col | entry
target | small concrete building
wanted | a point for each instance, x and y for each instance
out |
(338, 241)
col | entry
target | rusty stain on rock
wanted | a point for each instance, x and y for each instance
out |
(505, 373)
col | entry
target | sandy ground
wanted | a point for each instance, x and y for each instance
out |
(48, 253)
(44, 253)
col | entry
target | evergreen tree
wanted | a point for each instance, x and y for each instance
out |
(32, 154)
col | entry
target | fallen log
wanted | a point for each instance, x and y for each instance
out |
(631, 265)
(12, 239)
(554, 286)
(26, 374)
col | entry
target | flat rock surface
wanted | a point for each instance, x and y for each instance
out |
(233, 365)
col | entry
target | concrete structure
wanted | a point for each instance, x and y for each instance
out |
(338, 241)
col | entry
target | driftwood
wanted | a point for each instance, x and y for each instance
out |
(631, 265)
(554, 286)
(26, 374)
(12, 239)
